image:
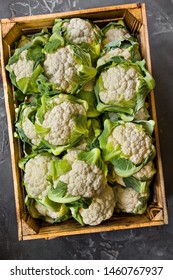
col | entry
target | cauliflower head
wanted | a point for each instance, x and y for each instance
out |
(130, 201)
(25, 128)
(62, 123)
(100, 209)
(30, 131)
(47, 210)
(44, 211)
(83, 176)
(84, 179)
(36, 172)
(61, 68)
(108, 54)
(134, 142)
(68, 68)
(127, 49)
(146, 173)
(23, 67)
(52, 216)
(79, 31)
(139, 181)
(123, 86)
(115, 32)
(127, 145)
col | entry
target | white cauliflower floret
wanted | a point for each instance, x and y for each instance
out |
(23, 67)
(84, 179)
(100, 209)
(60, 121)
(116, 34)
(79, 31)
(146, 173)
(35, 177)
(71, 155)
(127, 199)
(61, 68)
(29, 128)
(46, 212)
(130, 201)
(120, 84)
(135, 143)
(114, 52)
(142, 114)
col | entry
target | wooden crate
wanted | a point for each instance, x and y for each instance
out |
(11, 30)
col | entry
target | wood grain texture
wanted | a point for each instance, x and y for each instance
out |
(10, 31)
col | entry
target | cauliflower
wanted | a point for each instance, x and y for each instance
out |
(116, 34)
(25, 128)
(134, 142)
(124, 85)
(23, 67)
(146, 173)
(139, 181)
(52, 216)
(85, 180)
(126, 49)
(100, 209)
(35, 177)
(47, 210)
(44, 211)
(142, 114)
(79, 31)
(71, 155)
(61, 123)
(28, 127)
(130, 201)
(128, 146)
(68, 68)
(29, 130)
(61, 68)
(83, 176)
(113, 52)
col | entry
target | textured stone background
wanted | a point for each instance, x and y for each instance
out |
(146, 243)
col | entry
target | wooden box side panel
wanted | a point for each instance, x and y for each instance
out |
(93, 13)
(72, 228)
(10, 112)
(10, 104)
(159, 190)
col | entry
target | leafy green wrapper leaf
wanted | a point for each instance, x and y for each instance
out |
(59, 167)
(58, 194)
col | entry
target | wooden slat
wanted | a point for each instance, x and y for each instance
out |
(88, 12)
(159, 186)
(72, 228)
(8, 94)
(6, 27)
